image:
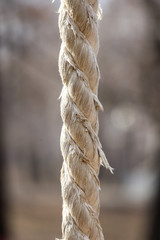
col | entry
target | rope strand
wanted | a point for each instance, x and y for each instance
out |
(80, 145)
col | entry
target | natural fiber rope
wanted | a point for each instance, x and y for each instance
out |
(80, 145)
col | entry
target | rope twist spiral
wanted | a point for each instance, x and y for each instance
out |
(80, 145)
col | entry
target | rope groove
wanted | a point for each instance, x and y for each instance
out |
(80, 145)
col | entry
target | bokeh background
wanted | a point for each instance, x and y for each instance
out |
(30, 123)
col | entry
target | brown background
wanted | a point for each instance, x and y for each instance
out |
(129, 59)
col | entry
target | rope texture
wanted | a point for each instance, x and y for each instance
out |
(80, 145)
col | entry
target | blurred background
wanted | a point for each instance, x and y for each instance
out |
(30, 122)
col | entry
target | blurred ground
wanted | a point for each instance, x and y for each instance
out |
(38, 217)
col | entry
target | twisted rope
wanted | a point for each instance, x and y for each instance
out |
(80, 145)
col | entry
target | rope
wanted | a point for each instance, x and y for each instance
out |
(80, 145)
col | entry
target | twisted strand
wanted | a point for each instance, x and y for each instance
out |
(80, 145)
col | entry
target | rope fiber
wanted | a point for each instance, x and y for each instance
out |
(80, 145)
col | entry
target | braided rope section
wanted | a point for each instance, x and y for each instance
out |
(80, 145)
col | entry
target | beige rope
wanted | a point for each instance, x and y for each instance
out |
(80, 145)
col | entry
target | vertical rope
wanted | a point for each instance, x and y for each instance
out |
(80, 145)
